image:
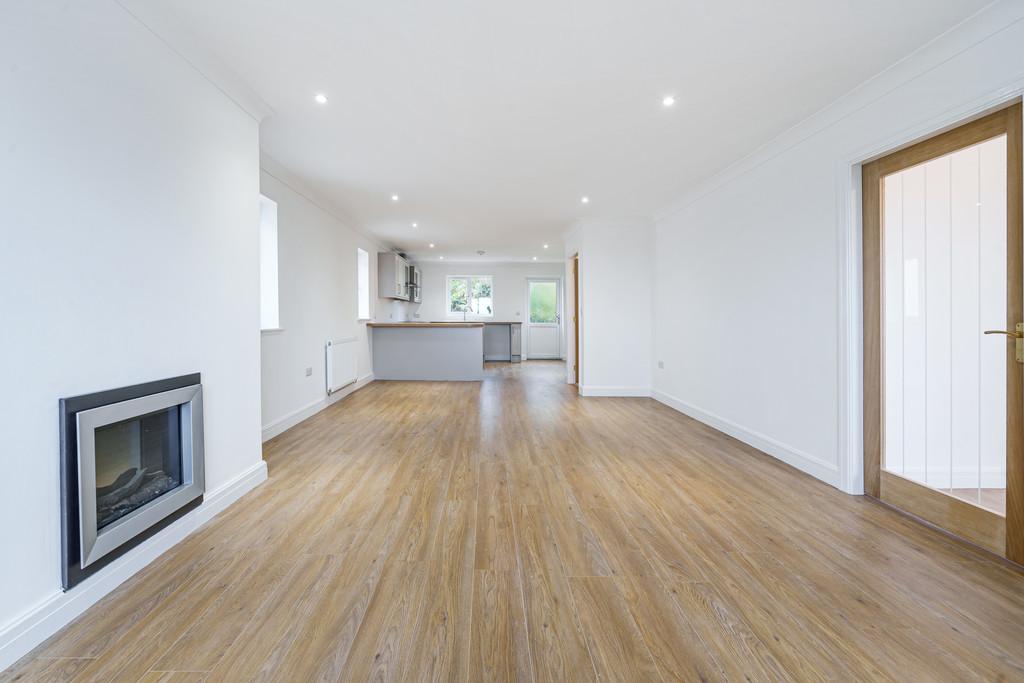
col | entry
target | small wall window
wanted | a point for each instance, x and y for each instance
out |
(269, 307)
(470, 295)
(363, 284)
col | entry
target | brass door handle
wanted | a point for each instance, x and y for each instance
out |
(1018, 338)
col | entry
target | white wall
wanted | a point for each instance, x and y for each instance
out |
(755, 270)
(129, 186)
(509, 288)
(317, 276)
(615, 305)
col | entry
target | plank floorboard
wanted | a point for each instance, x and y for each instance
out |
(510, 530)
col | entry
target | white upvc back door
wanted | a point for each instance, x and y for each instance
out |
(544, 318)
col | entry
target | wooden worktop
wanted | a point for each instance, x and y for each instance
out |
(458, 324)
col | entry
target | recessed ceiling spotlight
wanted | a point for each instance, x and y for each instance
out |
(320, 98)
(545, 246)
(668, 100)
(584, 200)
(534, 258)
(431, 245)
(441, 257)
(394, 197)
(415, 225)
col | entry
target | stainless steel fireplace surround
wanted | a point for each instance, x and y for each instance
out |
(132, 462)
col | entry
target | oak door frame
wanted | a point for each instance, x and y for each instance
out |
(1005, 121)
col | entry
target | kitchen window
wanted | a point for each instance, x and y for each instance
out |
(470, 295)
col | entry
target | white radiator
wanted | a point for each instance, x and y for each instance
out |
(341, 363)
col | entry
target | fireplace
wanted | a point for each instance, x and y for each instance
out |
(131, 463)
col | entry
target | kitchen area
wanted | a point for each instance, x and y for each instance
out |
(457, 338)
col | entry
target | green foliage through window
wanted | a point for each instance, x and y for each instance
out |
(458, 301)
(543, 302)
(471, 295)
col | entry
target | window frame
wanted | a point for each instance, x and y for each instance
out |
(469, 279)
(363, 313)
(270, 265)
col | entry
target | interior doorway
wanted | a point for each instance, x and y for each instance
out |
(943, 328)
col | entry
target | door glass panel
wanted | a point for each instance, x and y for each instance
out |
(543, 302)
(944, 245)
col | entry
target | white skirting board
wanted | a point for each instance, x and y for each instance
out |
(805, 462)
(26, 632)
(283, 424)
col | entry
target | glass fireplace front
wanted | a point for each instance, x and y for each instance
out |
(137, 460)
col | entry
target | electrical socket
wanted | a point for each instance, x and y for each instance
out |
(309, 372)
(661, 365)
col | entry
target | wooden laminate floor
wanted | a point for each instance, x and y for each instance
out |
(511, 530)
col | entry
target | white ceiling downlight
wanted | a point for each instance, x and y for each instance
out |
(668, 100)
(584, 200)
(394, 197)
(320, 98)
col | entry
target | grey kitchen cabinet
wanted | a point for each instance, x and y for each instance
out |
(503, 341)
(415, 285)
(392, 276)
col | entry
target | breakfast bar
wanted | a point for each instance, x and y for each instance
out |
(442, 351)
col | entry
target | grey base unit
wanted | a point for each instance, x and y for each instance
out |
(503, 341)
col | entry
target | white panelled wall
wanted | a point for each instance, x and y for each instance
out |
(317, 266)
(756, 284)
(945, 282)
(129, 252)
(615, 305)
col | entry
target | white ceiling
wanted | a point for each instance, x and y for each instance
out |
(491, 119)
